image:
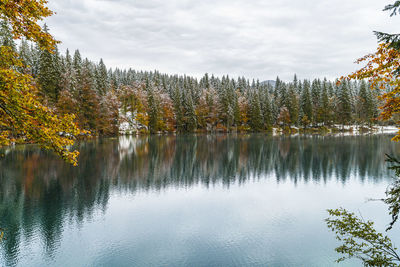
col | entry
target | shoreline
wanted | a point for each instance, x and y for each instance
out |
(349, 130)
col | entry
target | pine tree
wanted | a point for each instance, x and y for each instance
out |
(280, 93)
(153, 111)
(315, 99)
(295, 83)
(101, 78)
(306, 104)
(393, 39)
(256, 121)
(236, 109)
(88, 100)
(178, 109)
(293, 105)
(325, 104)
(277, 93)
(6, 38)
(225, 98)
(365, 104)
(77, 63)
(26, 56)
(266, 109)
(344, 107)
(57, 64)
(68, 98)
(212, 103)
(190, 114)
(49, 73)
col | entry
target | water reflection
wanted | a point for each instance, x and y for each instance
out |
(39, 192)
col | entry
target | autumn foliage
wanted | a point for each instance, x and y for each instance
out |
(21, 113)
(23, 16)
(382, 69)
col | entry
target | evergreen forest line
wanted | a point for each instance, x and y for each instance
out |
(106, 100)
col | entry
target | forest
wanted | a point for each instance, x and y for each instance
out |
(110, 101)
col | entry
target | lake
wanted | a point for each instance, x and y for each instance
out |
(190, 200)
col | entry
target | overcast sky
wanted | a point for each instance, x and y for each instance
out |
(251, 38)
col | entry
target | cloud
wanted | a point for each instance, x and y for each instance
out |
(257, 39)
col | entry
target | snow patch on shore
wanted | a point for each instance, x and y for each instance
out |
(387, 129)
(348, 130)
(128, 124)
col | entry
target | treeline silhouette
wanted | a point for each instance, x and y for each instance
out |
(103, 99)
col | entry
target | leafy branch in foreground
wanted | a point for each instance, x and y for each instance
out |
(393, 200)
(361, 240)
(392, 39)
(393, 7)
(21, 113)
(393, 192)
(382, 69)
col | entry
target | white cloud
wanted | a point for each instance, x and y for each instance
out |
(257, 39)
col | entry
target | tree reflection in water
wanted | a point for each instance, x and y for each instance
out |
(39, 192)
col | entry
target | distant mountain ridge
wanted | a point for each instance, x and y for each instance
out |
(270, 82)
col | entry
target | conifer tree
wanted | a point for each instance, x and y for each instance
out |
(306, 104)
(88, 100)
(101, 78)
(68, 101)
(49, 73)
(315, 99)
(225, 111)
(153, 110)
(256, 121)
(236, 109)
(277, 93)
(266, 110)
(326, 108)
(296, 84)
(190, 114)
(293, 105)
(344, 107)
(178, 109)
(6, 38)
(365, 104)
(35, 60)
(77, 62)
(26, 56)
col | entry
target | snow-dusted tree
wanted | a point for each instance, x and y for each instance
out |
(305, 103)
(255, 115)
(344, 107)
(101, 78)
(326, 107)
(293, 105)
(49, 73)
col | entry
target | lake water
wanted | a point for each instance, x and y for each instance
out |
(190, 200)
